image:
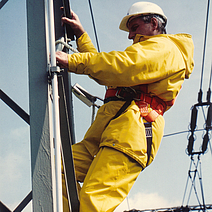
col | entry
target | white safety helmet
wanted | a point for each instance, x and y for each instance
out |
(141, 8)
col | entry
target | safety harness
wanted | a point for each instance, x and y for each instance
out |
(142, 99)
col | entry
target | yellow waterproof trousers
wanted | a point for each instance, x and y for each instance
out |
(108, 181)
(107, 173)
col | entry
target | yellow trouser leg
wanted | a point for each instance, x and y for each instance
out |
(108, 181)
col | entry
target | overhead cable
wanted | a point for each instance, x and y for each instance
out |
(203, 59)
(177, 133)
(209, 88)
(92, 16)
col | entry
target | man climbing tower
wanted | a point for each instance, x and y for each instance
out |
(143, 82)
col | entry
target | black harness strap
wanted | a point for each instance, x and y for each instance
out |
(148, 128)
(121, 110)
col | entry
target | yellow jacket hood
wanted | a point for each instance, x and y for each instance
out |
(183, 42)
(186, 47)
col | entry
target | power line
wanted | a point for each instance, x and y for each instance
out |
(209, 88)
(181, 132)
(203, 59)
(176, 133)
(92, 16)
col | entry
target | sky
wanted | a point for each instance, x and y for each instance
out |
(160, 185)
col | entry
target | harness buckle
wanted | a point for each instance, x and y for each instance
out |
(118, 93)
(148, 131)
(126, 93)
(143, 107)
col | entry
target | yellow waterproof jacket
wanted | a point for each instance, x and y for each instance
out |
(162, 62)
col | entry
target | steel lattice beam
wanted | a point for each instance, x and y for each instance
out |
(2, 3)
(17, 109)
(4, 208)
